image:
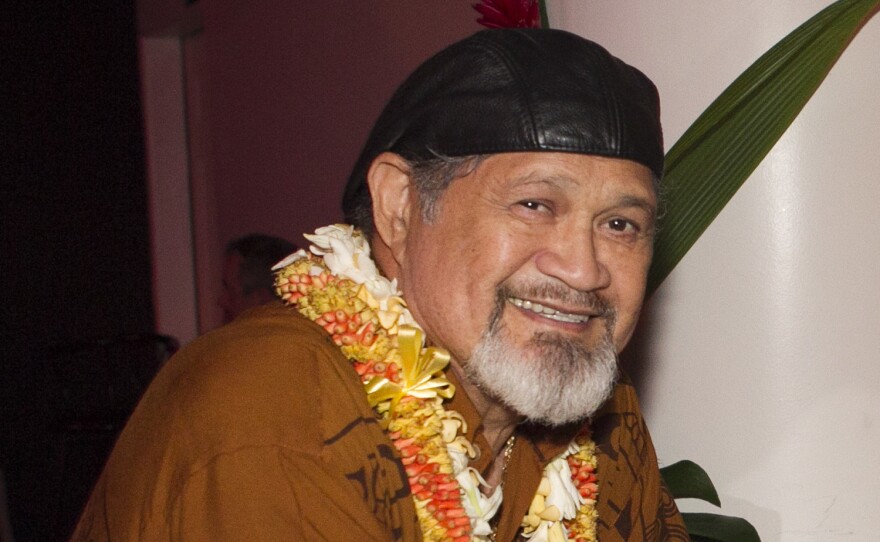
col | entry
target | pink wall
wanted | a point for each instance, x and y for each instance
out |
(292, 92)
(280, 98)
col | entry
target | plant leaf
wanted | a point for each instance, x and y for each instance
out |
(542, 10)
(687, 480)
(703, 526)
(727, 142)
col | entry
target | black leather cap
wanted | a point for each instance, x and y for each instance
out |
(518, 90)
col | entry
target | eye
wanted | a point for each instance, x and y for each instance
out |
(535, 206)
(624, 228)
(622, 225)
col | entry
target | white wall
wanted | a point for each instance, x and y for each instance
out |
(762, 349)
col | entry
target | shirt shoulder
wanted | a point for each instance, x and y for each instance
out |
(266, 379)
(266, 405)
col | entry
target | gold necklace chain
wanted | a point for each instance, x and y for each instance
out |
(506, 455)
(508, 452)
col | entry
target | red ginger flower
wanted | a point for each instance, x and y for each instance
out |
(508, 13)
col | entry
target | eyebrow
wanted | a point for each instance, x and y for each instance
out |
(537, 178)
(624, 200)
(628, 200)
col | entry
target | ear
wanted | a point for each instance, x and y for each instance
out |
(393, 196)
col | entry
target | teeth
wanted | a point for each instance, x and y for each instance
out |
(547, 312)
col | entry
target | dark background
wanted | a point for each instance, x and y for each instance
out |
(75, 252)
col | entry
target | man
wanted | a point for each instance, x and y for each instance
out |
(247, 272)
(509, 190)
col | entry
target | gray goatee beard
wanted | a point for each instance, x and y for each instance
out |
(555, 379)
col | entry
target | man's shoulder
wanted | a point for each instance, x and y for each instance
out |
(267, 328)
(266, 378)
(251, 405)
(267, 346)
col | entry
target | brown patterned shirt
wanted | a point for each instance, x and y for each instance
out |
(261, 431)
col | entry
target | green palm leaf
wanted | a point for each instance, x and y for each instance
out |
(687, 480)
(728, 141)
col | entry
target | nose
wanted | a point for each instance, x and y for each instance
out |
(572, 257)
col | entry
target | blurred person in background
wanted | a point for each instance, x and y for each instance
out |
(247, 272)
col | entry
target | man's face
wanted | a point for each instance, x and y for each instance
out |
(532, 249)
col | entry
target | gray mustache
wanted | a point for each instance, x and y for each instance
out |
(554, 292)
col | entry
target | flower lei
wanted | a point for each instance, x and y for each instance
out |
(338, 287)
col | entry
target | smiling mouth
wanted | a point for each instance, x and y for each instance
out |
(548, 312)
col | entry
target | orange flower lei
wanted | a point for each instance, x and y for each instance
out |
(339, 288)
